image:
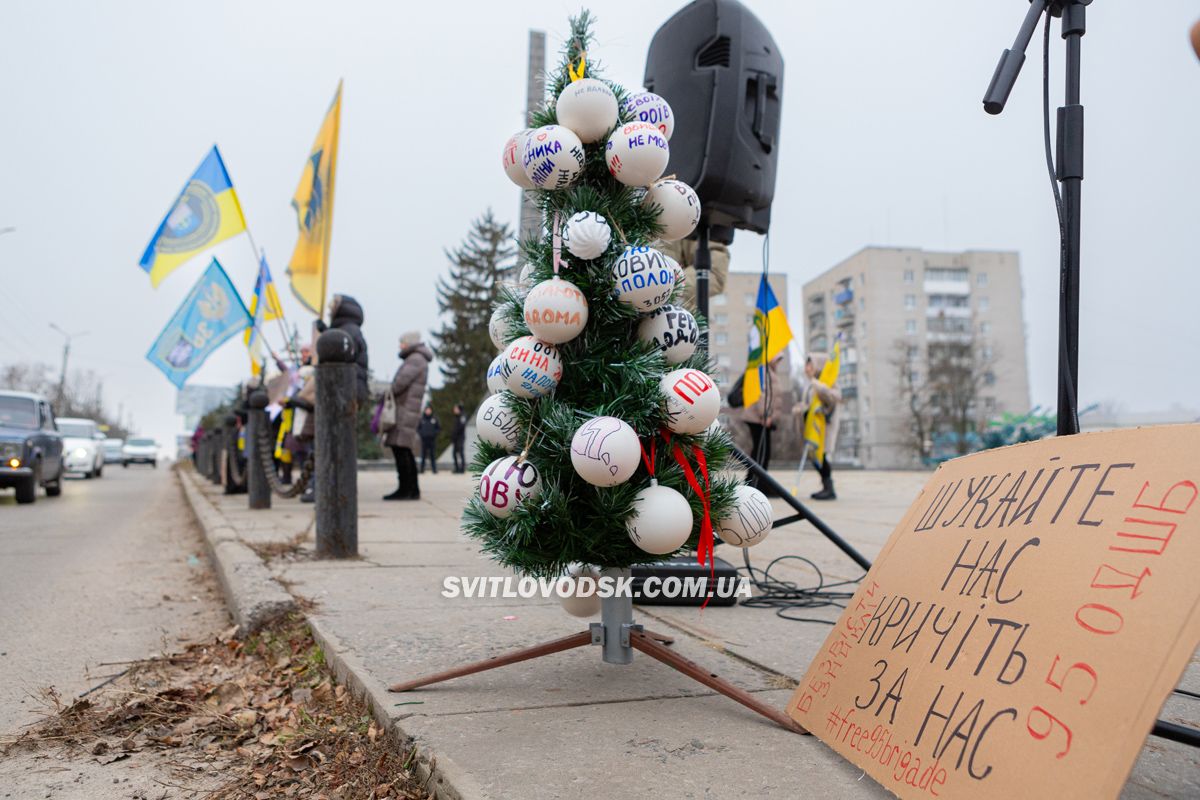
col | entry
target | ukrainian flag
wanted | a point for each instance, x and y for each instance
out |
(264, 306)
(768, 338)
(206, 212)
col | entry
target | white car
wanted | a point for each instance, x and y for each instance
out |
(83, 452)
(139, 451)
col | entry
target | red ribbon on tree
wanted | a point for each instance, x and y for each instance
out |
(704, 552)
(648, 458)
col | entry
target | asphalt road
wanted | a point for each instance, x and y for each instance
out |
(111, 571)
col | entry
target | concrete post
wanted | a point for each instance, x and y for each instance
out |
(257, 488)
(335, 447)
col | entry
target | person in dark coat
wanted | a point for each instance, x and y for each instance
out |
(428, 429)
(458, 439)
(408, 390)
(345, 314)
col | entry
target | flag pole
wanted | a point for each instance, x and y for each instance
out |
(281, 318)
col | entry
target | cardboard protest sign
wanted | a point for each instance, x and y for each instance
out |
(1024, 623)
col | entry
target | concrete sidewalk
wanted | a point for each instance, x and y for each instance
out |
(568, 725)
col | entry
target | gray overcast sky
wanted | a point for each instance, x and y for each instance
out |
(108, 107)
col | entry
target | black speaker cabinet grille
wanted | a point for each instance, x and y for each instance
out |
(716, 54)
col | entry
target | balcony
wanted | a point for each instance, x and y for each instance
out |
(843, 316)
(951, 312)
(843, 297)
(957, 288)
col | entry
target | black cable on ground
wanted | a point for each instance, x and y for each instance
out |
(788, 597)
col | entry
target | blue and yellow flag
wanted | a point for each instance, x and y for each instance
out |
(815, 422)
(264, 305)
(768, 338)
(206, 212)
(211, 313)
(313, 201)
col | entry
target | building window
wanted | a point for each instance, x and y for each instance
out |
(956, 274)
(986, 352)
(749, 299)
(985, 328)
(723, 361)
(981, 279)
(909, 277)
(910, 302)
(984, 304)
(720, 338)
(720, 319)
(989, 404)
(718, 300)
(989, 378)
(914, 352)
(910, 326)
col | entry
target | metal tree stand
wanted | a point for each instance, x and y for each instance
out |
(618, 636)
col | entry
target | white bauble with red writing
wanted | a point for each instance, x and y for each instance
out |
(693, 401)
(673, 330)
(750, 520)
(636, 153)
(605, 451)
(556, 311)
(532, 368)
(586, 235)
(499, 329)
(678, 208)
(583, 600)
(506, 483)
(496, 424)
(661, 522)
(649, 107)
(588, 107)
(496, 374)
(553, 157)
(513, 158)
(643, 278)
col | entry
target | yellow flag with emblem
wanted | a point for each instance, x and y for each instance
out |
(309, 268)
(815, 422)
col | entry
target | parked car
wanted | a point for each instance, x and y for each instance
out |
(31, 447)
(140, 451)
(112, 450)
(82, 452)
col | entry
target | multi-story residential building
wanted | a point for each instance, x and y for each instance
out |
(893, 304)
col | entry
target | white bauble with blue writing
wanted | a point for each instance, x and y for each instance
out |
(495, 374)
(499, 329)
(496, 424)
(673, 330)
(680, 275)
(605, 451)
(553, 157)
(513, 159)
(506, 483)
(586, 235)
(692, 400)
(643, 278)
(588, 107)
(637, 154)
(750, 520)
(556, 311)
(532, 368)
(649, 107)
(583, 599)
(678, 208)
(661, 522)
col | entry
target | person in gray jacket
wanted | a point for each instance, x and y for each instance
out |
(408, 389)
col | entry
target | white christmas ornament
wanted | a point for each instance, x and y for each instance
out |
(499, 329)
(671, 329)
(693, 401)
(636, 153)
(553, 157)
(649, 107)
(586, 235)
(680, 275)
(589, 108)
(643, 278)
(583, 601)
(525, 276)
(495, 423)
(750, 521)
(495, 374)
(556, 311)
(662, 520)
(531, 367)
(513, 159)
(506, 482)
(679, 208)
(605, 451)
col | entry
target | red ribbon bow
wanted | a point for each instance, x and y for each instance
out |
(704, 552)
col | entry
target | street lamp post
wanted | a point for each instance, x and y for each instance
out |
(62, 376)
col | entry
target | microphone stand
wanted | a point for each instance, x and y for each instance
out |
(1069, 173)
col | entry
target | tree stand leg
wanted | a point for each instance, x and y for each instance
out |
(618, 636)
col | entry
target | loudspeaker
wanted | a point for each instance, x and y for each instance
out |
(719, 68)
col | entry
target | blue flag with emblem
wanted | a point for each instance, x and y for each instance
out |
(210, 314)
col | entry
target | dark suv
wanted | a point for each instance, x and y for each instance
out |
(30, 446)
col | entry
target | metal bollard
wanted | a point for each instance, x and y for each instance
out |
(257, 488)
(335, 447)
(213, 464)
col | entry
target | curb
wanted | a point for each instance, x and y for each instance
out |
(253, 596)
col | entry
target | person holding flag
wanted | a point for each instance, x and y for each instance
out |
(769, 339)
(818, 405)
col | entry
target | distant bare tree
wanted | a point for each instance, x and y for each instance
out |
(83, 394)
(941, 385)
